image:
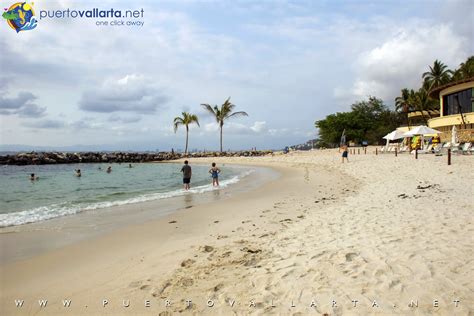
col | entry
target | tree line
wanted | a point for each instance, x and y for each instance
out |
(371, 119)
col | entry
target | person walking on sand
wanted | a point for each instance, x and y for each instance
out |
(187, 173)
(345, 153)
(214, 171)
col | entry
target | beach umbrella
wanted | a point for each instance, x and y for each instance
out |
(454, 135)
(343, 138)
(396, 134)
(421, 130)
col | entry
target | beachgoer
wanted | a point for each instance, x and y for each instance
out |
(78, 172)
(130, 165)
(345, 153)
(109, 169)
(214, 171)
(33, 177)
(187, 173)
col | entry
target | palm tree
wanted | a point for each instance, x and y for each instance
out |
(438, 75)
(186, 119)
(402, 104)
(223, 113)
(423, 103)
(465, 71)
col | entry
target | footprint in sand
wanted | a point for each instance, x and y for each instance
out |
(208, 249)
(350, 256)
(186, 282)
(187, 263)
(218, 287)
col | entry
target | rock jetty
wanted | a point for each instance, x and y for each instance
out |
(43, 158)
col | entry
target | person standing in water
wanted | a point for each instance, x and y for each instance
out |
(78, 172)
(33, 177)
(187, 173)
(109, 169)
(345, 153)
(214, 171)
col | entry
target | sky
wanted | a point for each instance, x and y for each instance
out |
(72, 83)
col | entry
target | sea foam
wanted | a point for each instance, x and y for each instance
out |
(62, 209)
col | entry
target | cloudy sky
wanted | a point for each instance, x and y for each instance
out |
(70, 82)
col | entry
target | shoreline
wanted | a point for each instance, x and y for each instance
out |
(65, 230)
(380, 228)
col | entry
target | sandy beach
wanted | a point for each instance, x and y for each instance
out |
(378, 235)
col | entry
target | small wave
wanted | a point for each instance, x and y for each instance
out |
(57, 210)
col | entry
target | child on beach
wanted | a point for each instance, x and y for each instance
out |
(345, 153)
(187, 173)
(214, 171)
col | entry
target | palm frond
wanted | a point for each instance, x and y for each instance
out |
(240, 113)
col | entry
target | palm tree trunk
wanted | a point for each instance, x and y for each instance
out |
(186, 148)
(424, 118)
(221, 137)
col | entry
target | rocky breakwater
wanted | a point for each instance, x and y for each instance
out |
(43, 158)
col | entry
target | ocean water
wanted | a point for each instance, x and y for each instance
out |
(58, 192)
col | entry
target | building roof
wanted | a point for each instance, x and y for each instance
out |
(435, 92)
(430, 113)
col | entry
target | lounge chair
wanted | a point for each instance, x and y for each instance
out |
(404, 148)
(466, 148)
(455, 147)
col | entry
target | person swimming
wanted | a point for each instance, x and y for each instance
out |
(109, 169)
(33, 177)
(214, 171)
(78, 173)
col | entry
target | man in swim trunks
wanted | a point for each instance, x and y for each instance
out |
(345, 153)
(187, 173)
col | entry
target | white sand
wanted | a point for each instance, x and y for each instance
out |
(380, 228)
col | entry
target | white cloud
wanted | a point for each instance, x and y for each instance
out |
(400, 60)
(131, 93)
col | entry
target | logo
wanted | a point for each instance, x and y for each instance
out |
(20, 16)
